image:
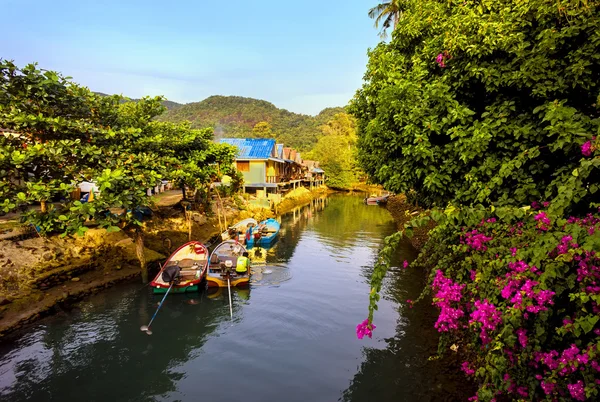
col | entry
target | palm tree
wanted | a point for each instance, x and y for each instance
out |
(387, 14)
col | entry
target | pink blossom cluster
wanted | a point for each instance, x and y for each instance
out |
(465, 367)
(577, 390)
(364, 328)
(477, 240)
(565, 243)
(588, 271)
(447, 292)
(522, 337)
(586, 148)
(442, 58)
(488, 316)
(566, 362)
(544, 221)
(518, 288)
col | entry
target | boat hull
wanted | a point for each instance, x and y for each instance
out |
(219, 282)
(192, 261)
(265, 239)
(179, 289)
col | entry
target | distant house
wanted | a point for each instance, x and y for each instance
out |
(259, 162)
(313, 171)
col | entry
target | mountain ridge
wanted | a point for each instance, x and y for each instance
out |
(236, 116)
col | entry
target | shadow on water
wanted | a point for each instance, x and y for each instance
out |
(292, 337)
(97, 351)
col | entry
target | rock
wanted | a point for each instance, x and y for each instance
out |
(118, 267)
(4, 301)
(48, 255)
(75, 279)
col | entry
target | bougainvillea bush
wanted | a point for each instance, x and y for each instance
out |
(521, 303)
(488, 113)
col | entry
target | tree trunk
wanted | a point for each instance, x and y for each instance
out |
(183, 191)
(139, 250)
(396, 19)
(188, 216)
(43, 206)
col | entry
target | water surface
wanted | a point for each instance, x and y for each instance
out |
(292, 337)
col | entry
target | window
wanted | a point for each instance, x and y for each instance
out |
(243, 166)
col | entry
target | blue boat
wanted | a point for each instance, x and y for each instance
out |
(262, 235)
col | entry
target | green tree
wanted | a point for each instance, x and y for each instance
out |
(387, 15)
(57, 134)
(262, 129)
(477, 109)
(476, 102)
(336, 151)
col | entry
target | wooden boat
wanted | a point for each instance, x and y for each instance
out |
(186, 267)
(264, 234)
(375, 200)
(223, 261)
(238, 231)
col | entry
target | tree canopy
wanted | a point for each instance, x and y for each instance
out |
(487, 113)
(57, 134)
(477, 101)
(336, 151)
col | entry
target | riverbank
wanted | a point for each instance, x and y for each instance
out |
(402, 212)
(38, 275)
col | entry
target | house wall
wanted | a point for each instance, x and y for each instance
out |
(257, 173)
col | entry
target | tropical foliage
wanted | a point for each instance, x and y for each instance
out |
(481, 111)
(336, 151)
(386, 15)
(476, 102)
(236, 116)
(57, 134)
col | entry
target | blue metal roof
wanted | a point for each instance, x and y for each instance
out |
(251, 148)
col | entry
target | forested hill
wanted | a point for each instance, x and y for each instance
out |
(236, 116)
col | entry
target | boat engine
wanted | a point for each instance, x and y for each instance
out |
(171, 274)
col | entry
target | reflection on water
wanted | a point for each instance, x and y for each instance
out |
(291, 338)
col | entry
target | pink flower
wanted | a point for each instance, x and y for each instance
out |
(405, 264)
(548, 387)
(364, 328)
(577, 390)
(465, 367)
(513, 251)
(586, 148)
(440, 60)
(543, 220)
(521, 334)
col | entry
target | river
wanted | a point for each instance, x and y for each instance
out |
(292, 337)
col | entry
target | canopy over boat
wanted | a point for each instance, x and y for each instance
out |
(223, 262)
(186, 268)
(238, 229)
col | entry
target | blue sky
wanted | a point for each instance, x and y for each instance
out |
(300, 55)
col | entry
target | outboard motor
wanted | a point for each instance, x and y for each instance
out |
(171, 274)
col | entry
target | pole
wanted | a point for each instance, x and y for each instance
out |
(229, 289)
(146, 328)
